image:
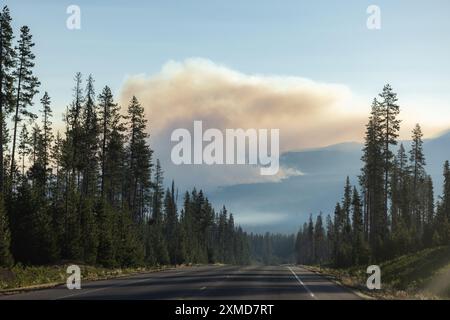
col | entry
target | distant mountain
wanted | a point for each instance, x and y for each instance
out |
(284, 206)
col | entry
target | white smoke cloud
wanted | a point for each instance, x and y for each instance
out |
(308, 113)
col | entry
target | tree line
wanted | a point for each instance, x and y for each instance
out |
(392, 211)
(272, 248)
(93, 193)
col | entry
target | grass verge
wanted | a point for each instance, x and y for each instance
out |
(421, 275)
(33, 277)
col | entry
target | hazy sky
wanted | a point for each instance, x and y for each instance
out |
(313, 66)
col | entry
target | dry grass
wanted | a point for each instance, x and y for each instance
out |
(20, 277)
(421, 275)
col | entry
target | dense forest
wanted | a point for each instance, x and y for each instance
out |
(392, 210)
(272, 249)
(92, 193)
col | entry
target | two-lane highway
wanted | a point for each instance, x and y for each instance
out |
(205, 282)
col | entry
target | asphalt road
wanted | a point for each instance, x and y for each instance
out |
(205, 282)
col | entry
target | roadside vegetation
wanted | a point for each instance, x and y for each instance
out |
(390, 218)
(421, 275)
(33, 277)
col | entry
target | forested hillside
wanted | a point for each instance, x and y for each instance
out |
(392, 211)
(92, 193)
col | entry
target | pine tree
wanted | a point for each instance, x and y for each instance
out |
(441, 234)
(46, 130)
(319, 241)
(89, 141)
(343, 230)
(417, 159)
(43, 246)
(74, 131)
(429, 212)
(221, 233)
(372, 178)
(73, 242)
(24, 147)
(6, 259)
(346, 211)
(230, 257)
(111, 141)
(310, 240)
(187, 227)
(130, 251)
(330, 239)
(360, 254)
(267, 249)
(390, 126)
(26, 85)
(171, 225)
(105, 220)
(400, 192)
(139, 161)
(7, 64)
(446, 192)
(89, 229)
(158, 194)
(112, 217)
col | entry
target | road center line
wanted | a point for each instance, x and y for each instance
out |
(301, 282)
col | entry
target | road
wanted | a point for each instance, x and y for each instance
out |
(204, 282)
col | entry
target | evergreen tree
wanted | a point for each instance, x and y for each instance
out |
(446, 192)
(46, 131)
(111, 141)
(441, 234)
(329, 239)
(24, 147)
(346, 211)
(429, 214)
(310, 240)
(390, 126)
(171, 225)
(74, 131)
(106, 226)
(417, 159)
(130, 250)
(89, 141)
(158, 194)
(360, 254)
(319, 241)
(26, 84)
(6, 259)
(7, 65)
(400, 190)
(372, 178)
(139, 161)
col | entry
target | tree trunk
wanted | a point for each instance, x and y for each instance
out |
(16, 120)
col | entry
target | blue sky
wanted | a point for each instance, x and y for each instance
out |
(326, 41)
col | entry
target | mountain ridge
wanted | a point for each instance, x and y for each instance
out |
(283, 207)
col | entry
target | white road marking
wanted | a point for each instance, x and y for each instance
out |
(301, 282)
(202, 288)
